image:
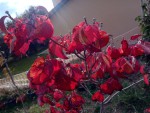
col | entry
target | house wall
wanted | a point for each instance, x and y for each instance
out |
(118, 16)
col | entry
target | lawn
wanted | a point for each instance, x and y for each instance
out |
(23, 64)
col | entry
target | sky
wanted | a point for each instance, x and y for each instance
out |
(16, 7)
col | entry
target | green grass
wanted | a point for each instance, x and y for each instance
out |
(23, 64)
(133, 100)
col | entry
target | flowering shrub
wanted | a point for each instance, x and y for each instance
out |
(56, 82)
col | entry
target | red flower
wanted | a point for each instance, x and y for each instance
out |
(98, 96)
(113, 52)
(146, 79)
(137, 50)
(124, 66)
(2, 24)
(77, 101)
(98, 74)
(40, 71)
(125, 49)
(57, 95)
(64, 82)
(106, 88)
(44, 28)
(102, 40)
(116, 74)
(56, 49)
(142, 69)
(105, 61)
(25, 30)
(114, 83)
(89, 34)
(75, 73)
(145, 46)
(134, 37)
(110, 86)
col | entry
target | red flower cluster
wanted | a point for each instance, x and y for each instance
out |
(55, 78)
(51, 77)
(23, 31)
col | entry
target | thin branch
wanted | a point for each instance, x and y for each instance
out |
(79, 56)
(86, 88)
(66, 48)
(11, 77)
(101, 107)
(86, 65)
(57, 43)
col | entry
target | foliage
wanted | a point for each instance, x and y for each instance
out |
(56, 82)
(144, 20)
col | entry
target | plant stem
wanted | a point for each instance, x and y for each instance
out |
(101, 107)
(86, 88)
(11, 77)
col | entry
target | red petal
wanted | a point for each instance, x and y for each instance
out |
(104, 39)
(75, 45)
(106, 88)
(137, 50)
(25, 47)
(123, 65)
(90, 34)
(135, 36)
(64, 82)
(76, 74)
(115, 85)
(58, 95)
(2, 25)
(145, 46)
(77, 100)
(40, 71)
(57, 50)
(146, 79)
(113, 52)
(106, 61)
(142, 69)
(44, 28)
(98, 74)
(98, 96)
(125, 49)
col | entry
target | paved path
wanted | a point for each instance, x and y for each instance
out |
(20, 80)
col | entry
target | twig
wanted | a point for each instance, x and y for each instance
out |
(57, 43)
(11, 77)
(86, 65)
(101, 107)
(79, 56)
(86, 88)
